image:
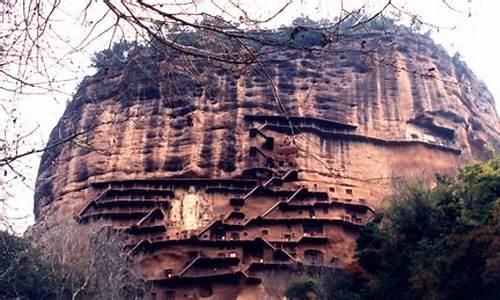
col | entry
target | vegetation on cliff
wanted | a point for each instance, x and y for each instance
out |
(302, 34)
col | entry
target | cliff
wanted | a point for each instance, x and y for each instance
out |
(206, 168)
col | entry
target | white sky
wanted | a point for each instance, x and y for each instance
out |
(475, 37)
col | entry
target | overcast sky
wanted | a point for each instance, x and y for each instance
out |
(469, 26)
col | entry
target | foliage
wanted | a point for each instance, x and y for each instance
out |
(338, 283)
(116, 56)
(230, 41)
(320, 283)
(23, 272)
(362, 23)
(302, 289)
(460, 66)
(68, 263)
(91, 260)
(440, 243)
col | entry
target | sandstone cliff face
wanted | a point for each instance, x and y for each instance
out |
(210, 144)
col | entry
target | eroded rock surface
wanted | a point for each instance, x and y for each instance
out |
(208, 177)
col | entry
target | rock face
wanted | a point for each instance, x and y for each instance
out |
(218, 181)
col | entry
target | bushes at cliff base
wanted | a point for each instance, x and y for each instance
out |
(441, 243)
(23, 273)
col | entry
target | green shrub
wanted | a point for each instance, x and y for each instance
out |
(442, 243)
(302, 289)
(115, 57)
(23, 272)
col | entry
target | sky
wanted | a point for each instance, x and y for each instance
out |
(468, 26)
